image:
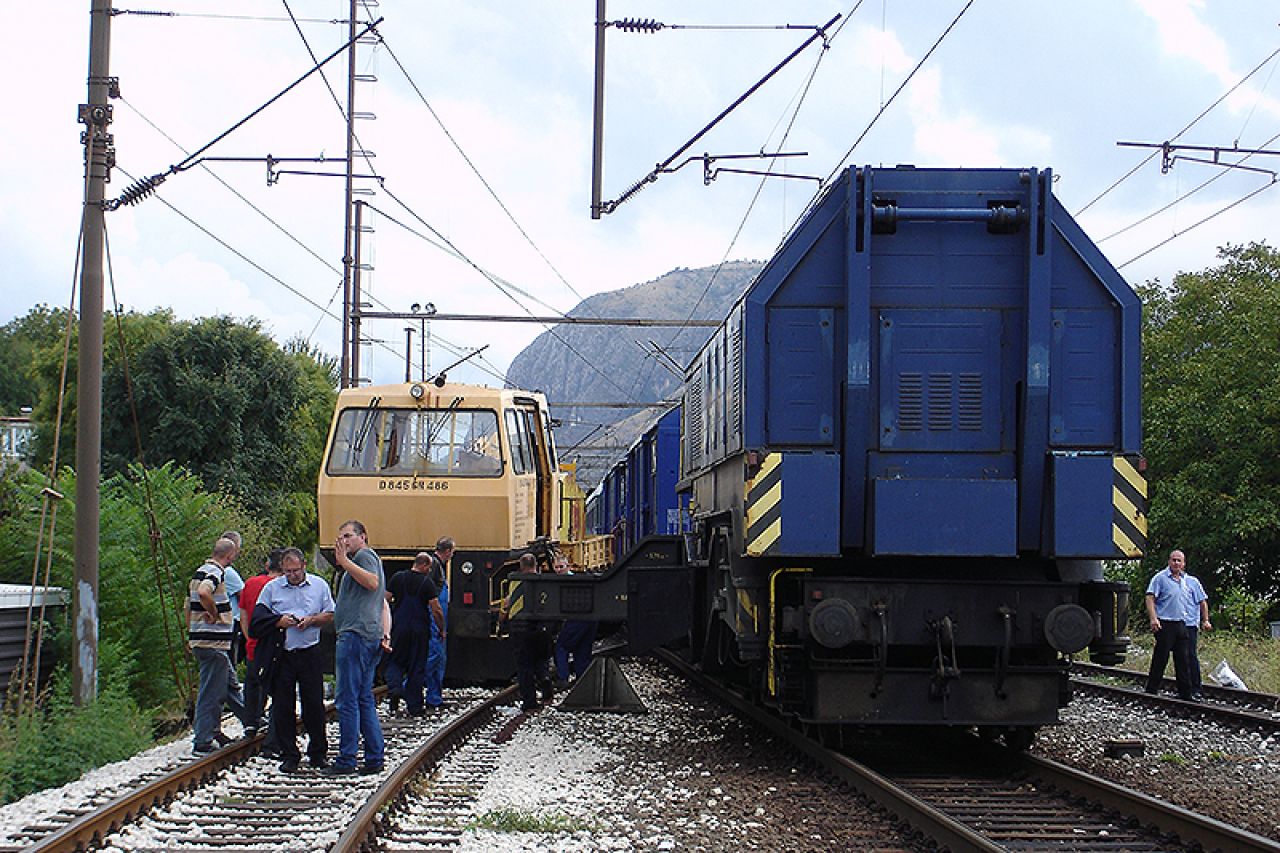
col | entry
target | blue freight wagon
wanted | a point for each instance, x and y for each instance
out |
(909, 446)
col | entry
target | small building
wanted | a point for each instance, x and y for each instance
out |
(15, 599)
(16, 435)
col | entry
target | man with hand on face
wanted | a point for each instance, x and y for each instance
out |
(358, 619)
(301, 604)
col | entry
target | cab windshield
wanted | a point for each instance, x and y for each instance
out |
(423, 442)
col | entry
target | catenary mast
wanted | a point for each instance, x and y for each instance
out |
(99, 155)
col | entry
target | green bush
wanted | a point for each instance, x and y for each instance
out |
(58, 742)
(1241, 610)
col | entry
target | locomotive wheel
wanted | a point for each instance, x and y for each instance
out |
(1020, 738)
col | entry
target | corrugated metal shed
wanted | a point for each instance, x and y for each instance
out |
(14, 600)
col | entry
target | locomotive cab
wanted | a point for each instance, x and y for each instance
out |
(415, 462)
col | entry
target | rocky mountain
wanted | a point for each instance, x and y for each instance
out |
(618, 365)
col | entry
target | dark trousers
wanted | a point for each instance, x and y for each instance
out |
(574, 642)
(406, 669)
(302, 669)
(1193, 656)
(1171, 638)
(533, 653)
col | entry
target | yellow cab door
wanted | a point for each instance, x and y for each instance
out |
(535, 427)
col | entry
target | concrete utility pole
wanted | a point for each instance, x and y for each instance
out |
(99, 156)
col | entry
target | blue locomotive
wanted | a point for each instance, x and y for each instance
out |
(906, 452)
(637, 497)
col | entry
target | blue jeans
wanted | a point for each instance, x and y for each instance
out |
(436, 655)
(218, 686)
(355, 660)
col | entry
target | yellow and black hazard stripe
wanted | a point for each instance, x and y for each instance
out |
(513, 602)
(764, 507)
(1129, 507)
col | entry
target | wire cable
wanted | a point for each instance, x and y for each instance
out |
(880, 112)
(476, 171)
(1195, 225)
(1145, 160)
(1227, 169)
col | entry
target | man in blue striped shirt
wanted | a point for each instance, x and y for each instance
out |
(209, 627)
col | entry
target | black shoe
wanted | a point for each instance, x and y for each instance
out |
(250, 732)
(421, 712)
(270, 752)
(393, 704)
(1198, 696)
(318, 762)
(339, 770)
(289, 765)
(528, 707)
(370, 769)
(223, 740)
(202, 749)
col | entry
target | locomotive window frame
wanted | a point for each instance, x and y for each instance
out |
(386, 441)
(522, 461)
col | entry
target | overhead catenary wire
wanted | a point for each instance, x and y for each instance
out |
(476, 171)
(1228, 168)
(1179, 134)
(1200, 222)
(799, 104)
(444, 242)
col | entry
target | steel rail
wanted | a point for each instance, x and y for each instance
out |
(1269, 701)
(90, 828)
(362, 832)
(1227, 714)
(1190, 827)
(944, 830)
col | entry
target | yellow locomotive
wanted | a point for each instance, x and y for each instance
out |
(417, 461)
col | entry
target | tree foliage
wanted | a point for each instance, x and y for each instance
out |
(40, 330)
(1211, 385)
(217, 396)
(141, 588)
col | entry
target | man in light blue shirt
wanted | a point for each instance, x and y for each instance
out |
(304, 604)
(1168, 598)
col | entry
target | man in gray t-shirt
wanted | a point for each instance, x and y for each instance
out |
(357, 618)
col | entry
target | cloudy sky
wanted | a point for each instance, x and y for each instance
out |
(1015, 83)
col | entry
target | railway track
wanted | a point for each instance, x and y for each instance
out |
(968, 795)
(234, 799)
(1240, 708)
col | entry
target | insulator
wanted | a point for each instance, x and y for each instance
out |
(639, 25)
(139, 191)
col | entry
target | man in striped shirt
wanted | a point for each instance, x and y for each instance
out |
(209, 628)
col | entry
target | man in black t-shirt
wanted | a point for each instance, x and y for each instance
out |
(415, 607)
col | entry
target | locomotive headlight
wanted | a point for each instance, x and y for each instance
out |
(417, 391)
(1068, 628)
(834, 623)
(468, 567)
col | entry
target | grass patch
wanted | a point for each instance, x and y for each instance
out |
(514, 820)
(1173, 758)
(1255, 658)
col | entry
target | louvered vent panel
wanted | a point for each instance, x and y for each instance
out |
(941, 404)
(910, 402)
(735, 380)
(970, 401)
(693, 419)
